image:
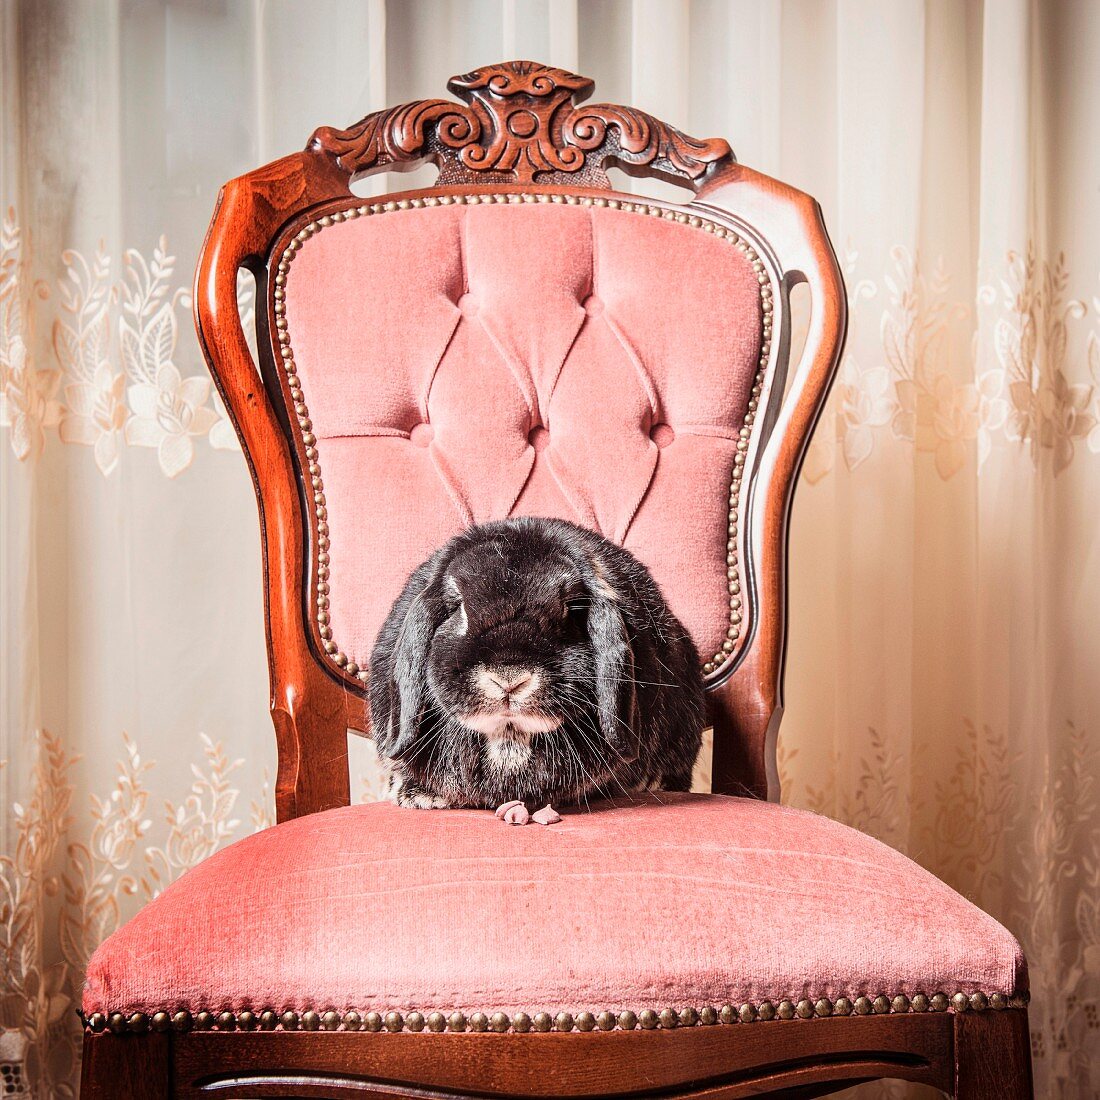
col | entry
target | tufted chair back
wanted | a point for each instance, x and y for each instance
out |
(517, 340)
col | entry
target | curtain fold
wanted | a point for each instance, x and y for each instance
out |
(945, 563)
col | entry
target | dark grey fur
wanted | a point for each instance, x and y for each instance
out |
(547, 597)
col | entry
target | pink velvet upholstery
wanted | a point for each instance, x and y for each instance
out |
(464, 363)
(701, 900)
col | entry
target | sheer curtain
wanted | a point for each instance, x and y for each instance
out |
(942, 681)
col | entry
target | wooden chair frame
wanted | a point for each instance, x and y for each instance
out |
(519, 133)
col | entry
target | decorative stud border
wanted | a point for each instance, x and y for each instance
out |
(309, 439)
(647, 1019)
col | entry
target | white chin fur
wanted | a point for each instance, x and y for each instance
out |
(506, 755)
(509, 727)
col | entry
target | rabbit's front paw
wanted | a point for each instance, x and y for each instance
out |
(406, 793)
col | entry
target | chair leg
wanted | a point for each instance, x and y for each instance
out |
(126, 1067)
(993, 1055)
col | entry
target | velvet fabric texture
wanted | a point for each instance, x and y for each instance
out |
(462, 363)
(676, 900)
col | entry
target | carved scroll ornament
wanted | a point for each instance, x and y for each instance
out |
(519, 124)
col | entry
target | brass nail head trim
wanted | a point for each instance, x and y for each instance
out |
(585, 1020)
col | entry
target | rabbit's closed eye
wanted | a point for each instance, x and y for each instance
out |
(532, 659)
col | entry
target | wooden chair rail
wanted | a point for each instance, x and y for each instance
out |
(968, 1055)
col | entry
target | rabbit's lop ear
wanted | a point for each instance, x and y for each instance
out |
(399, 688)
(616, 698)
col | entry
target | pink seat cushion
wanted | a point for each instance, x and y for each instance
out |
(462, 363)
(681, 901)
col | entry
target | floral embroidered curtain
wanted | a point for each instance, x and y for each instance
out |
(942, 689)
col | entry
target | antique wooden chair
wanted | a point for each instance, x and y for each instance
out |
(522, 339)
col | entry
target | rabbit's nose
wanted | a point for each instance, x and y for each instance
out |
(510, 683)
(504, 683)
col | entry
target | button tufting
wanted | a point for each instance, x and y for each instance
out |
(662, 434)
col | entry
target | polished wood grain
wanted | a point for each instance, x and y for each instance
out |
(992, 1056)
(518, 128)
(310, 708)
(518, 123)
(974, 1056)
(746, 699)
(126, 1067)
(718, 1061)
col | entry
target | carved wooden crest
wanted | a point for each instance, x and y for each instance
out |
(518, 123)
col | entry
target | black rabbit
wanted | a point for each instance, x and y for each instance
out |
(532, 659)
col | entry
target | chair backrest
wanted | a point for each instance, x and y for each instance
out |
(517, 339)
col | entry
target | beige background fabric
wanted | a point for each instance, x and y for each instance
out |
(942, 689)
